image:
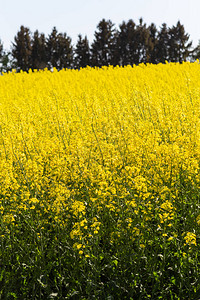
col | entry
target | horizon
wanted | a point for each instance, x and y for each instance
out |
(82, 18)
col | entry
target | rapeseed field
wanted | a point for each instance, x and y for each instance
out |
(100, 183)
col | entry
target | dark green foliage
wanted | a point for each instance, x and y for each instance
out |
(5, 59)
(21, 49)
(82, 58)
(142, 44)
(103, 46)
(142, 41)
(131, 44)
(152, 44)
(179, 45)
(38, 53)
(196, 52)
(52, 48)
(65, 51)
(59, 50)
(136, 43)
(162, 45)
(127, 43)
(172, 44)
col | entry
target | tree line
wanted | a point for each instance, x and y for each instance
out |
(131, 44)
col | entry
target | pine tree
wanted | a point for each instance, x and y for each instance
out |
(6, 62)
(52, 49)
(59, 50)
(179, 47)
(21, 49)
(162, 46)
(38, 53)
(142, 43)
(5, 59)
(136, 43)
(195, 54)
(126, 43)
(152, 44)
(103, 46)
(65, 51)
(115, 55)
(82, 51)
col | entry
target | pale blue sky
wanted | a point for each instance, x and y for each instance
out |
(76, 16)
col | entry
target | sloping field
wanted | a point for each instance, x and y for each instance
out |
(100, 183)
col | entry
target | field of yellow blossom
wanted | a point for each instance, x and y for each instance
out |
(100, 183)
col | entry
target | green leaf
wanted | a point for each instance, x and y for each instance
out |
(1, 276)
(115, 262)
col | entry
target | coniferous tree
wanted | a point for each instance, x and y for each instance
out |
(82, 50)
(5, 59)
(179, 47)
(6, 63)
(115, 55)
(59, 50)
(152, 44)
(142, 43)
(162, 45)
(65, 51)
(21, 49)
(38, 53)
(136, 44)
(52, 49)
(126, 43)
(103, 46)
(131, 44)
(195, 54)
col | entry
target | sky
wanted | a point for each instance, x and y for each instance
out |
(81, 17)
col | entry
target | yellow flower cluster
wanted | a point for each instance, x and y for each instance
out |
(190, 239)
(97, 144)
(167, 212)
